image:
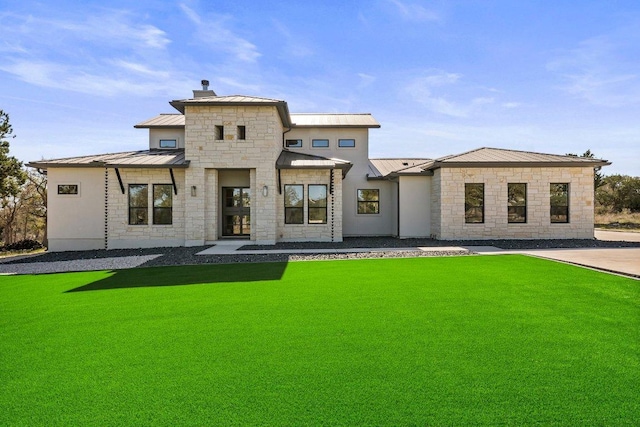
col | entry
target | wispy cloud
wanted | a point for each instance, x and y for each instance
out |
(414, 11)
(213, 31)
(421, 90)
(603, 70)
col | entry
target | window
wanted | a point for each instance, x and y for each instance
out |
(346, 143)
(320, 143)
(138, 204)
(368, 201)
(294, 204)
(293, 143)
(517, 203)
(474, 203)
(162, 204)
(317, 204)
(68, 189)
(559, 195)
(242, 132)
(219, 132)
(168, 143)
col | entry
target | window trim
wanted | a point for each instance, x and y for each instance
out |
(242, 133)
(509, 205)
(340, 141)
(154, 207)
(76, 194)
(361, 202)
(467, 218)
(175, 143)
(298, 143)
(567, 206)
(325, 207)
(313, 142)
(145, 207)
(297, 208)
(219, 136)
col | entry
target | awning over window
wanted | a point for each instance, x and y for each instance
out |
(291, 160)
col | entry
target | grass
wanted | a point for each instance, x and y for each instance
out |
(427, 341)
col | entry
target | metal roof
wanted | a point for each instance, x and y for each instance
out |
(334, 120)
(291, 160)
(236, 100)
(129, 159)
(163, 121)
(499, 157)
(381, 168)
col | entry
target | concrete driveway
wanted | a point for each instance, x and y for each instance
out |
(617, 236)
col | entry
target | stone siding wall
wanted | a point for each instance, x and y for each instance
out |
(332, 230)
(258, 152)
(122, 235)
(495, 226)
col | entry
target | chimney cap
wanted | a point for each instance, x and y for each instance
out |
(205, 84)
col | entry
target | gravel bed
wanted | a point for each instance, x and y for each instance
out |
(390, 242)
(49, 262)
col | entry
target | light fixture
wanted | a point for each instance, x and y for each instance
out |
(265, 191)
(193, 191)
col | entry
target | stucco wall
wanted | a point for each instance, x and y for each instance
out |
(76, 222)
(123, 235)
(155, 135)
(495, 226)
(415, 206)
(258, 152)
(332, 230)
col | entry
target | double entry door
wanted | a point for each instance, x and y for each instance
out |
(236, 212)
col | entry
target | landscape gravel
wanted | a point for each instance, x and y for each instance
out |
(49, 262)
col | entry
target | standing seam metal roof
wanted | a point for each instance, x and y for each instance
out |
(133, 159)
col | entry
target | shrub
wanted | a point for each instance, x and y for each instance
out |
(22, 245)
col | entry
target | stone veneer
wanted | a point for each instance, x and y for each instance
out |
(257, 153)
(448, 189)
(329, 232)
(122, 235)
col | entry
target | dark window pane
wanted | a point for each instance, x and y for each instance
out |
(317, 215)
(293, 216)
(346, 143)
(517, 203)
(293, 143)
(559, 200)
(320, 143)
(168, 143)
(68, 189)
(138, 204)
(293, 196)
(474, 203)
(162, 216)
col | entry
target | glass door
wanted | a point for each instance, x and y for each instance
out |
(236, 211)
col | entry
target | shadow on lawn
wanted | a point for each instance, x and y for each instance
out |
(187, 275)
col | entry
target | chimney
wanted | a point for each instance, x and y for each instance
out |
(205, 90)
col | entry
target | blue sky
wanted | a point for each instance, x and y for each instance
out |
(442, 77)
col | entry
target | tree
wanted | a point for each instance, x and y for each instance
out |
(11, 174)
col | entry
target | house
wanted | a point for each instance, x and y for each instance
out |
(245, 167)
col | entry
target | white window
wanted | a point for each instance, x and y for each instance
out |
(346, 143)
(320, 143)
(168, 143)
(293, 143)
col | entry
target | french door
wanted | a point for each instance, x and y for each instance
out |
(236, 211)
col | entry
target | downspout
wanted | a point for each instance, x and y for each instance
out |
(286, 131)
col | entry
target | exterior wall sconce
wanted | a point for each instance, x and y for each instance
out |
(193, 191)
(265, 191)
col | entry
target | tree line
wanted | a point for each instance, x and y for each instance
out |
(23, 194)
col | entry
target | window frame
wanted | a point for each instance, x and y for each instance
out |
(341, 140)
(219, 132)
(141, 208)
(313, 142)
(468, 218)
(298, 143)
(242, 132)
(69, 194)
(288, 209)
(161, 140)
(317, 209)
(155, 208)
(365, 202)
(516, 205)
(566, 207)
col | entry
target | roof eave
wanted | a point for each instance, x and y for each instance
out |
(336, 126)
(38, 165)
(506, 164)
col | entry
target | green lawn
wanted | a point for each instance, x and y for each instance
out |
(475, 340)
